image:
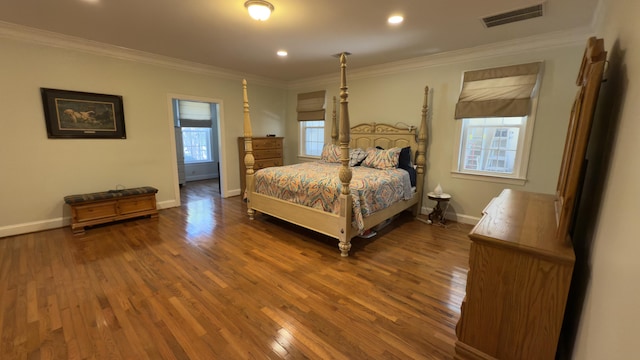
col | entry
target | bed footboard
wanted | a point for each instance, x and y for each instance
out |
(249, 160)
(345, 170)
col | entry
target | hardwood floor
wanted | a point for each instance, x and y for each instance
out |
(204, 282)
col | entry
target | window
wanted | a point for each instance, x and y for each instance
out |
(311, 123)
(490, 145)
(311, 137)
(497, 111)
(197, 144)
(195, 120)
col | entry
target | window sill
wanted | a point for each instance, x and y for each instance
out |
(306, 158)
(489, 178)
(204, 162)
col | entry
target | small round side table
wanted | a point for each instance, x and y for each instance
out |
(437, 214)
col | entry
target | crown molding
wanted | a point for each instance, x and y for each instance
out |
(575, 37)
(47, 38)
(505, 48)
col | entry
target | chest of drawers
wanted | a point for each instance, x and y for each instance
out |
(267, 152)
(518, 281)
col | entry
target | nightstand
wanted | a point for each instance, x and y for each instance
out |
(442, 204)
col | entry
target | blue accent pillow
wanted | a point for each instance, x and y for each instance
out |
(404, 162)
(405, 158)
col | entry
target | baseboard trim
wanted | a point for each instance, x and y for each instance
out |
(34, 226)
(201, 177)
(461, 218)
(55, 223)
(167, 204)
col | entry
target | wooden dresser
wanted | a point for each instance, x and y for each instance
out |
(267, 152)
(521, 258)
(518, 281)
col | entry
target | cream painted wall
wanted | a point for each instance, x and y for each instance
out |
(398, 97)
(38, 172)
(610, 321)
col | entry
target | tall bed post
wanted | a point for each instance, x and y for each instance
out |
(248, 149)
(421, 159)
(334, 124)
(345, 170)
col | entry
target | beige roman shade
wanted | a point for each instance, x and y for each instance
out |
(311, 106)
(498, 92)
(194, 114)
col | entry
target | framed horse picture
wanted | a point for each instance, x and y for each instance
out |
(73, 114)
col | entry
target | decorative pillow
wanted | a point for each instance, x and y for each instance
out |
(356, 156)
(330, 153)
(382, 159)
(404, 162)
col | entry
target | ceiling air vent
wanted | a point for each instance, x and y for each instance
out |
(513, 16)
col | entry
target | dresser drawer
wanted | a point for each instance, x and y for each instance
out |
(266, 143)
(267, 154)
(96, 210)
(136, 204)
(261, 164)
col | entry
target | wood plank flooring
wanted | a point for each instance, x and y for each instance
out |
(204, 282)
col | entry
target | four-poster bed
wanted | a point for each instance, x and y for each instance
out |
(340, 221)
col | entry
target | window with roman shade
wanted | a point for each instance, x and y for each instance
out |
(311, 113)
(497, 110)
(195, 121)
(311, 106)
(498, 92)
(194, 114)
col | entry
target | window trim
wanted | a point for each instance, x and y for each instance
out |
(517, 179)
(302, 139)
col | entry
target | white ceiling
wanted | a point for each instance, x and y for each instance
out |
(220, 33)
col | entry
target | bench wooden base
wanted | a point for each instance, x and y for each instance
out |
(95, 212)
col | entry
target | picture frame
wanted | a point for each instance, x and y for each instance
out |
(82, 115)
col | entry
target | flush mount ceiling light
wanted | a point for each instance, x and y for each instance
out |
(396, 19)
(259, 9)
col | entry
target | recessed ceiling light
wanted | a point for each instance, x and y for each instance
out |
(395, 19)
(282, 53)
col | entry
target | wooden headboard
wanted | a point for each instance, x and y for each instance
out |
(386, 136)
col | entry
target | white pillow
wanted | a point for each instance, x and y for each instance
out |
(356, 156)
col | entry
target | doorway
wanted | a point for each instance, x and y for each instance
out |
(197, 140)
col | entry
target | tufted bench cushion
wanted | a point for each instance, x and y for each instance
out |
(104, 195)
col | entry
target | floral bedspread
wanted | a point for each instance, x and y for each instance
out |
(316, 184)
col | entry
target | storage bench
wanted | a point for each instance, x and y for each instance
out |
(113, 205)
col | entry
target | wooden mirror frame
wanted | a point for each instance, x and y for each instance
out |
(571, 170)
